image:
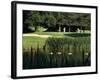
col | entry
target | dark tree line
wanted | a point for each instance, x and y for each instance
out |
(55, 21)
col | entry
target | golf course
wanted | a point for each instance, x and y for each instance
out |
(54, 39)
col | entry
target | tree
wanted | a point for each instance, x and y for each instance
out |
(67, 20)
(35, 20)
(50, 21)
(26, 15)
(83, 20)
(59, 20)
(55, 20)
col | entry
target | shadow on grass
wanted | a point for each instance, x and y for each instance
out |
(78, 35)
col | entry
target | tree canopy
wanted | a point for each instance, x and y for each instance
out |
(55, 19)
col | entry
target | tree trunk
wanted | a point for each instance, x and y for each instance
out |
(64, 29)
(69, 29)
(81, 29)
(59, 28)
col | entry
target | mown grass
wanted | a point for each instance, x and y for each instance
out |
(61, 33)
(29, 41)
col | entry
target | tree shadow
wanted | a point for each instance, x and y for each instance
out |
(27, 30)
(78, 34)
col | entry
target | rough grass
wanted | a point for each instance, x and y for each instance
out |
(37, 51)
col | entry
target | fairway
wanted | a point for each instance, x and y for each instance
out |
(33, 42)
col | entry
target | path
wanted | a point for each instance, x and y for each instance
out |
(37, 35)
(44, 36)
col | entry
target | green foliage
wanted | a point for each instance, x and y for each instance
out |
(56, 19)
(40, 29)
(50, 21)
